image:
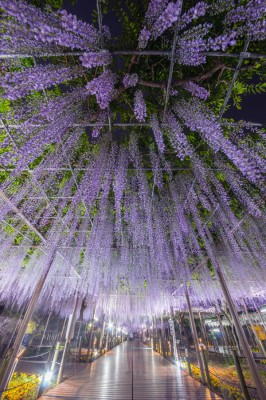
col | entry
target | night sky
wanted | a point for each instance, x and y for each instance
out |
(253, 106)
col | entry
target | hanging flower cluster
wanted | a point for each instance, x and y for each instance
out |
(158, 134)
(103, 88)
(19, 84)
(139, 106)
(197, 90)
(31, 25)
(91, 59)
(130, 80)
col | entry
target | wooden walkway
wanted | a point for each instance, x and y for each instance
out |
(130, 371)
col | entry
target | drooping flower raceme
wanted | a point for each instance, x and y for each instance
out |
(249, 19)
(45, 28)
(103, 88)
(199, 10)
(130, 80)
(92, 59)
(197, 90)
(99, 124)
(158, 134)
(200, 119)
(19, 84)
(177, 137)
(191, 44)
(140, 110)
(166, 19)
(144, 37)
(155, 9)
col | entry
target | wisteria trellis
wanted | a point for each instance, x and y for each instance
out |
(125, 224)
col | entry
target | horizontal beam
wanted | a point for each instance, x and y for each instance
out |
(125, 125)
(55, 169)
(160, 53)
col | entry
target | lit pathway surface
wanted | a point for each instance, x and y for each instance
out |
(130, 371)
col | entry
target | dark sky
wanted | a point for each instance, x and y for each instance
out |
(253, 106)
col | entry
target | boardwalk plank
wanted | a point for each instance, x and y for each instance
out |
(131, 371)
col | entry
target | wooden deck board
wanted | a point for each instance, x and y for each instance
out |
(130, 371)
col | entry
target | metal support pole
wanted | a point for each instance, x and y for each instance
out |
(195, 338)
(8, 366)
(91, 335)
(44, 332)
(107, 341)
(163, 337)
(172, 331)
(162, 53)
(209, 382)
(55, 357)
(152, 333)
(223, 332)
(101, 338)
(240, 375)
(203, 330)
(242, 337)
(69, 335)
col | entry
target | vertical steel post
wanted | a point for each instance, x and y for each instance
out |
(195, 338)
(240, 375)
(101, 337)
(242, 337)
(206, 366)
(203, 330)
(8, 367)
(91, 335)
(223, 332)
(172, 331)
(163, 336)
(69, 335)
(44, 332)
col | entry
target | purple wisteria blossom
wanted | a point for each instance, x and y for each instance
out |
(47, 28)
(158, 134)
(199, 10)
(197, 90)
(140, 110)
(19, 84)
(130, 80)
(103, 88)
(102, 118)
(92, 59)
(144, 37)
(167, 18)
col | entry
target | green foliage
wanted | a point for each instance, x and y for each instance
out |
(241, 88)
(55, 4)
(4, 105)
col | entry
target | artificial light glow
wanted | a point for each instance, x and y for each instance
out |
(209, 321)
(263, 309)
(48, 376)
